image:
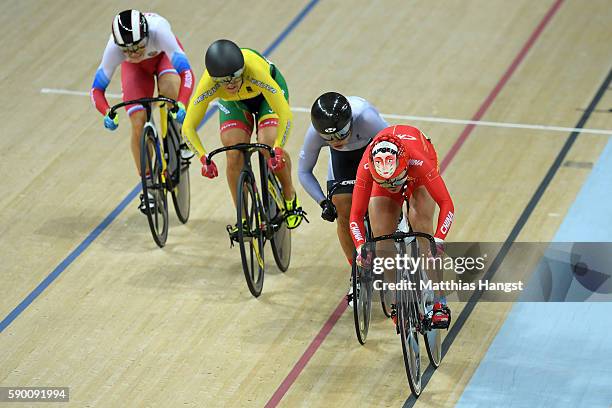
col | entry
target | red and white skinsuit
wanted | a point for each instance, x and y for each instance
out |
(422, 170)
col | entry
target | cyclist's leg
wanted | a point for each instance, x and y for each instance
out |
(384, 210)
(422, 208)
(168, 80)
(421, 217)
(267, 125)
(137, 81)
(343, 207)
(236, 126)
(267, 132)
(343, 167)
(168, 84)
(267, 135)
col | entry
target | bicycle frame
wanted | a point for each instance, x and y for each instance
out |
(150, 123)
(247, 150)
(399, 237)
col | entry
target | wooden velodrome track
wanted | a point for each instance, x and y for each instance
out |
(128, 324)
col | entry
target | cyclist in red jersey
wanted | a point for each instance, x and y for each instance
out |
(401, 164)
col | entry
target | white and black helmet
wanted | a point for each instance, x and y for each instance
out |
(129, 28)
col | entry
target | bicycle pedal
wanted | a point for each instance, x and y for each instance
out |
(232, 237)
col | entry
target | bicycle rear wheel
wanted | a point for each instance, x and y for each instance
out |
(408, 321)
(250, 233)
(179, 173)
(281, 240)
(153, 190)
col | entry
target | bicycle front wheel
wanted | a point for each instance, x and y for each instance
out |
(153, 189)
(362, 299)
(385, 308)
(250, 233)
(408, 321)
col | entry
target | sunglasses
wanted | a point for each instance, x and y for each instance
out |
(133, 49)
(230, 79)
(338, 135)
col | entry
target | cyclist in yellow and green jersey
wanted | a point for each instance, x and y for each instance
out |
(252, 94)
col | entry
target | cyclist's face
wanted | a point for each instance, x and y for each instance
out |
(385, 164)
(337, 143)
(233, 86)
(135, 51)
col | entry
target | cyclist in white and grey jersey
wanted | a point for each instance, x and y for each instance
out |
(346, 125)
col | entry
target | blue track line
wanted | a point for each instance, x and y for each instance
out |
(69, 259)
(130, 196)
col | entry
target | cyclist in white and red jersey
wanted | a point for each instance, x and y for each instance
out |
(401, 164)
(146, 48)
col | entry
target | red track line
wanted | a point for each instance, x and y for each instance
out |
(312, 348)
(335, 316)
(487, 103)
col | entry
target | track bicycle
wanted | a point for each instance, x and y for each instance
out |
(260, 217)
(414, 305)
(163, 168)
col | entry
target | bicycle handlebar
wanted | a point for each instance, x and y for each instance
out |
(143, 101)
(400, 235)
(239, 146)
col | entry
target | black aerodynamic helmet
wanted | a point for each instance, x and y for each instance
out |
(129, 28)
(331, 116)
(224, 60)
